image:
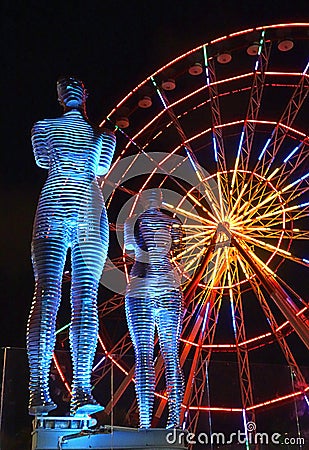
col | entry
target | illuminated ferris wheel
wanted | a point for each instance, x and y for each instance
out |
(222, 130)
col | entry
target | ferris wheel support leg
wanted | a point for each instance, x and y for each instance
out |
(282, 300)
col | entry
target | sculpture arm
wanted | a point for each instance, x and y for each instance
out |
(39, 145)
(107, 153)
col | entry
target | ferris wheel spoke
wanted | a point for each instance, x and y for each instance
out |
(277, 332)
(235, 296)
(250, 211)
(187, 214)
(277, 221)
(191, 260)
(291, 163)
(273, 144)
(205, 328)
(198, 235)
(217, 134)
(280, 297)
(282, 233)
(214, 267)
(296, 193)
(211, 82)
(160, 166)
(184, 142)
(190, 247)
(254, 198)
(248, 130)
(271, 248)
(299, 211)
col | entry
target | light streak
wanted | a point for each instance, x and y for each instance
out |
(295, 182)
(279, 399)
(193, 246)
(99, 363)
(245, 428)
(190, 264)
(110, 356)
(65, 327)
(213, 408)
(193, 164)
(187, 213)
(292, 153)
(159, 93)
(264, 149)
(306, 68)
(206, 66)
(263, 244)
(205, 319)
(215, 147)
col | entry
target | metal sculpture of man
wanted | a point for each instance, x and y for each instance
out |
(70, 214)
(154, 300)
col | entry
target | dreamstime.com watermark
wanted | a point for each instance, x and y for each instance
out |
(250, 436)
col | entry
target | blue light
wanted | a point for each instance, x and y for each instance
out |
(159, 93)
(302, 205)
(264, 149)
(233, 317)
(306, 68)
(205, 318)
(292, 153)
(206, 66)
(299, 179)
(240, 142)
(215, 147)
(191, 159)
(259, 51)
(154, 300)
(306, 260)
(304, 176)
(261, 42)
(70, 214)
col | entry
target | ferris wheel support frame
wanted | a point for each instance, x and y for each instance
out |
(278, 295)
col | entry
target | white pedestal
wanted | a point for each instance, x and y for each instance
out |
(74, 433)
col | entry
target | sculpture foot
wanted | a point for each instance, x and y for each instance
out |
(84, 404)
(41, 409)
(174, 425)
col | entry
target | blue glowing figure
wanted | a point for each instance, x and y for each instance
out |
(154, 300)
(70, 214)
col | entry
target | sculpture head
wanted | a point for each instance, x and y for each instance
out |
(71, 93)
(152, 198)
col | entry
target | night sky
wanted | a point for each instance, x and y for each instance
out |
(112, 46)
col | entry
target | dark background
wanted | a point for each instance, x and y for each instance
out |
(112, 46)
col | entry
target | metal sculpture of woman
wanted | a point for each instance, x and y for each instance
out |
(70, 214)
(154, 299)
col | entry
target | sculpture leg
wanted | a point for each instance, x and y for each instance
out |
(141, 323)
(48, 257)
(88, 258)
(169, 322)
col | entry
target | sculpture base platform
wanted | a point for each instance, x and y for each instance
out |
(79, 433)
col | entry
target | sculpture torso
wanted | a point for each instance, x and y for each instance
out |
(156, 234)
(72, 151)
